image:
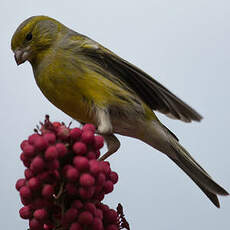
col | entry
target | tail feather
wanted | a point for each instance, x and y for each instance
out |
(185, 161)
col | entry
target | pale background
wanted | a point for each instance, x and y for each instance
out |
(185, 45)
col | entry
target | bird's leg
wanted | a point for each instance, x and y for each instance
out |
(105, 129)
(113, 144)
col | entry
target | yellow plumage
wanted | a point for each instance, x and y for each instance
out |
(93, 85)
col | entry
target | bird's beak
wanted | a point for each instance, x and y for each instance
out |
(21, 56)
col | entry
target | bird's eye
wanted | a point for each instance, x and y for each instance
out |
(29, 36)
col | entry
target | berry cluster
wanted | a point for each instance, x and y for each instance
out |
(65, 182)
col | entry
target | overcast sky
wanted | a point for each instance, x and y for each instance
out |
(185, 46)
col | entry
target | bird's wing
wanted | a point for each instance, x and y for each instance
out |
(155, 95)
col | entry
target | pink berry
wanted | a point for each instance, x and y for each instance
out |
(40, 214)
(81, 163)
(108, 187)
(113, 177)
(25, 192)
(20, 182)
(90, 127)
(51, 153)
(97, 224)
(34, 183)
(77, 204)
(79, 148)
(87, 137)
(61, 149)
(35, 224)
(25, 212)
(23, 144)
(40, 143)
(75, 134)
(91, 155)
(29, 150)
(105, 167)
(94, 167)
(37, 164)
(75, 226)
(98, 142)
(63, 132)
(50, 138)
(48, 191)
(72, 174)
(32, 138)
(101, 179)
(71, 189)
(87, 180)
(85, 218)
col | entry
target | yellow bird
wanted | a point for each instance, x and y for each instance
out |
(93, 85)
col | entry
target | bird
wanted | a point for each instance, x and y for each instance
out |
(92, 84)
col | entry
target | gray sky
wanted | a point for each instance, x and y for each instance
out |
(185, 46)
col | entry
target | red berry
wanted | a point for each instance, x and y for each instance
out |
(97, 154)
(23, 144)
(72, 174)
(48, 227)
(32, 138)
(79, 148)
(70, 215)
(86, 193)
(108, 187)
(29, 150)
(50, 138)
(35, 224)
(71, 189)
(90, 207)
(98, 142)
(105, 167)
(51, 153)
(40, 143)
(81, 163)
(99, 213)
(20, 182)
(63, 132)
(28, 173)
(110, 216)
(91, 155)
(112, 227)
(75, 134)
(77, 204)
(113, 177)
(34, 183)
(48, 191)
(25, 192)
(75, 226)
(40, 214)
(97, 224)
(87, 137)
(90, 127)
(25, 212)
(99, 197)
(103, 207)
(56, 124)
(86, 180)
(37, 164)
(53, 164)
(94, 167)
(61, 149)
(85, 218)
(101, 179)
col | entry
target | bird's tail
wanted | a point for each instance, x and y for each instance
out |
(165, 141)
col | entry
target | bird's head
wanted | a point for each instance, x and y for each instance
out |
(33, 36)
